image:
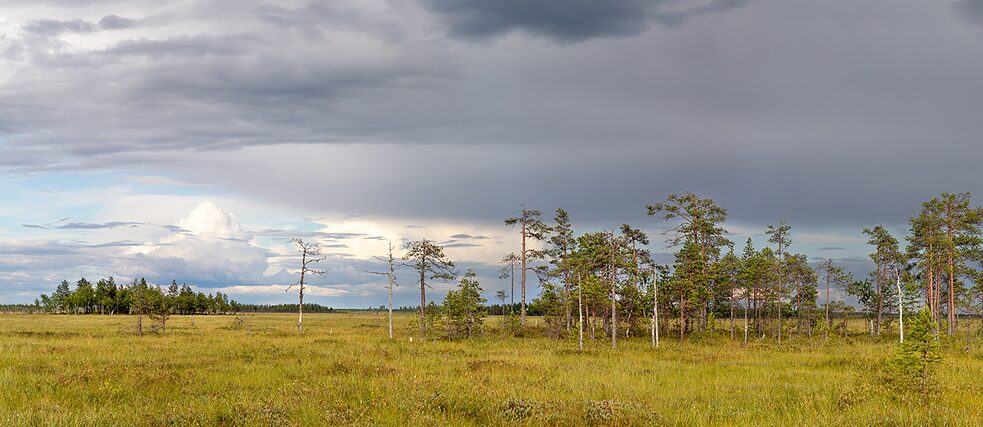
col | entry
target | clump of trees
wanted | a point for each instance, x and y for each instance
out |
(108, 298)
(464, 308)
(612, 281)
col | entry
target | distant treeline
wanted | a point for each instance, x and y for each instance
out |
(108, 297)
(15, 308)
(283, 308)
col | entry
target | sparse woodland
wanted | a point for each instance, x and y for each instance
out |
(602, 300)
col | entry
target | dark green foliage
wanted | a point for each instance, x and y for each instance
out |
(108, 298)
(912, 365)
(464, 308)
(429, 261)
(550, 305)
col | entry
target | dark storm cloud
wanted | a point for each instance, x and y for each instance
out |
(971, 9)
(810, 126)
(566, 20)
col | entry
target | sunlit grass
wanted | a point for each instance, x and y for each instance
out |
(93, 370)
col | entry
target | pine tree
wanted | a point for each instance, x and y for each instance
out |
(531, 227)
(464, 307)
(428, 260)
(779, 235)
(699, 224)
(562, 241)
(835, 276)
(886, 254)
(920, 351)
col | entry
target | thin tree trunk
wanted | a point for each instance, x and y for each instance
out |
(300, 306)
(900, 310)
(881, 273)
(745, 323)
(522, 319)
(580, 317)
(952, 274)
(682, 319)
(566, 292)
(423, 294)
(390, 291)
(655, 311)
(828, 324)
(512, 276)
(614, 300)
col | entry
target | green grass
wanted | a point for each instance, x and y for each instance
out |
(92, 370)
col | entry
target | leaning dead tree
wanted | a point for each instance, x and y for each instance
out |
(392, 282)
(310, 254)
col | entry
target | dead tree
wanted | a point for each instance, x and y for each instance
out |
(392, 282)
(655, 306)
(310, 253)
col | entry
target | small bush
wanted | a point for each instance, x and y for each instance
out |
(517, 409)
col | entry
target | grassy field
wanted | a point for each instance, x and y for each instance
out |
(92, 370)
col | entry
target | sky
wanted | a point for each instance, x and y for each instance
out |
(191, 140)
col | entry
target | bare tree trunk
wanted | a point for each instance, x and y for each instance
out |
(881, 278)
(733, 304)
(745, 323)
(682, 310)
(614, 300)
(512, 276)
(391, 291)
(952, 275)
(952, 298)
(592, 320)
(828, 325)
(423, 299)
(140, 324)
(566, 295)
(655, 312)
(900, 310)
(300, 306)
(522, 319)
(931, 285)
(778, 328)
(566, 290)
(580, 317)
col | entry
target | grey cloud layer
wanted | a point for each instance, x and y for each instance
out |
(566, 20)
(829, 123)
